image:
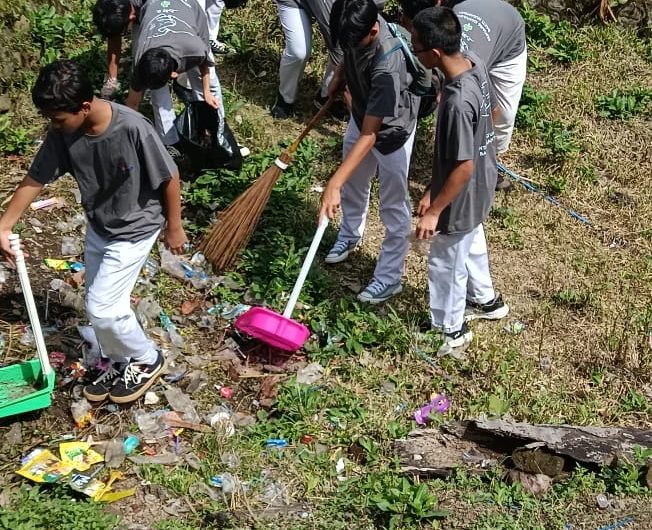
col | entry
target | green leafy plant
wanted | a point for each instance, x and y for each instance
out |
(557, 39)
(626, 478)
(572, 299)
(559, 140)
(625, 104)
(13, 140)
(406, 503)
(532, 108)
(53, 509)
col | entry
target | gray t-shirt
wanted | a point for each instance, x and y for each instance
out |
(119, 173)
(465, 132)
(493, 29)
(378, 83)
(178, 26)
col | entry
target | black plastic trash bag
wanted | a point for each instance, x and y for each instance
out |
(206, 139)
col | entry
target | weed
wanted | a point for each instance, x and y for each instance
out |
(509, 221)
(38, 508)
(626, 478)
(559, 140)
(625, 104)
(571, 299)
(558, 39)
(532, 108)
(13, 140)
(588, 173)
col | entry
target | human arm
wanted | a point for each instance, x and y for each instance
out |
(134, 97)
(175, 236)
(330, 199)
(337, 81)
(457, 179)
(26, 192)
(209, 98)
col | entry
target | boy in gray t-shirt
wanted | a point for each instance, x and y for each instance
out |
(129, 189)
(463, 182)
(379, 138)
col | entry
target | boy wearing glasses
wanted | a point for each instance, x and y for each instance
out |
(463, 184)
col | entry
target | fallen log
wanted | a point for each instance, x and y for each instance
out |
(478, 444)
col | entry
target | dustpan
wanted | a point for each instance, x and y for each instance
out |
(26, 386)
(280, 331)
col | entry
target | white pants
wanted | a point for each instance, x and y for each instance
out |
(458, 269)
(507, 79)
(394, 204)
(112, 268)
(297, 29)
(214, 10)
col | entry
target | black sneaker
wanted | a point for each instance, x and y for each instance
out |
(103, 382)
(493, 310)
(136, 379)
(338, 109)
(174, 152)
(281, 109)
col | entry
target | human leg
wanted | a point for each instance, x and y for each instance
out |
(164, 115)
(297, 31)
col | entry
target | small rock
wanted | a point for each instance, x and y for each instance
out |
(602, 501)
(15, 435)
(151, 398)
(538, 485)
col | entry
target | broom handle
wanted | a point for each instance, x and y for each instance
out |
(307, 262)
(314, 121)
(14, 241)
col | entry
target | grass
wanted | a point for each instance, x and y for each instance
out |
(584, 293)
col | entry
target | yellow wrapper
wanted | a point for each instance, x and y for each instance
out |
(42, 466)
(79, 455)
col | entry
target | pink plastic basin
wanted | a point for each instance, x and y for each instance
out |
(273, 329)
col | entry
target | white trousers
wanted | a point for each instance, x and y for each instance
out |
(458, 269)
(214, 10)
(112, 268)
(297, 29)
(507, 79)
(394, 206)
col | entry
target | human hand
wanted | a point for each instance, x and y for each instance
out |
(5, 247)
(330, 201)
(175, 240)
(424, 204)
(110, 87)
(211, 100)
(427, 226)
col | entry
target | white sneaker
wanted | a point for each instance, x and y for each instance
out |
(377, 292)
(455, 343)
(492, 310)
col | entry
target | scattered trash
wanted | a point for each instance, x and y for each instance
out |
(438, 403)
(79, 455)
(70, 246)
(226, 392)
(27, 338)
(602, 501)
(149, 423)
(515, 328)
(310, 374)
(172, 419)
(42, 466)
(340, 466)
(53, 202)
(164, 459)
(220, 420)
(189, 306)
(151, 268)
(182, 269)
(68, 297)
(475, 457)
(192, 460)
(181, 402)
(130, 444)
(73, 223)
(275, 494)
(63, 265)
(176, 339)
(57, 359)
(230, 459)
(151, 398)
(276, 443)
(229, 311)
(82, 413)
(148, 312)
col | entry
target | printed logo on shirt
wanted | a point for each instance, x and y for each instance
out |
(165, 22)
(472, 21)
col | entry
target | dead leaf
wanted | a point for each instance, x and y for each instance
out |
(268, 387)
(188, 306)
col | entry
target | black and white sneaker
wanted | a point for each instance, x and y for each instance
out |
(136, 380)
(220, 48)
(492, 310)
(102, 383)
(455, 343)
(174, 152)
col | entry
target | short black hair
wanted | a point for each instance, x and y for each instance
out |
(438, 27)
(351, 21)
(155, 67)
(410, 8)
(62, 86)
(451, 3)
(111, 17)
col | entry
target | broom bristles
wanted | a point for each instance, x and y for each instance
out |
(236, 224)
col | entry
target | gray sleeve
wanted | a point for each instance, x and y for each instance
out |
(458, 135)
(155, 161)
(52, 159)
(385, 88)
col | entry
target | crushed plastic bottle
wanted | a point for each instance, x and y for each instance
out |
(70, 246)
(181, 402)
(167, 324)
(151, 268)
(148, 312)
(68, 296)
(27, 338)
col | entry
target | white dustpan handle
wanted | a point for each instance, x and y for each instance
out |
(294, 296)
(14, 241)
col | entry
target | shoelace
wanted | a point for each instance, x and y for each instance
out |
(132, 374)
(110, 373)
(376, 287)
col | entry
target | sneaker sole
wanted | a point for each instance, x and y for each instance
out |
(338, 259)
(95, 398)
(122, 400)
(362, 298)
(496, 314)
